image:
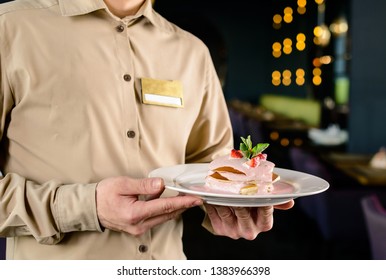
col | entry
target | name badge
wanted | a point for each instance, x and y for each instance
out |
(161, 92)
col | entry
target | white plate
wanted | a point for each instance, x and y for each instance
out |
(190, 179)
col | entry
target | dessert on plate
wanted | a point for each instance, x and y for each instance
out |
(245, 171)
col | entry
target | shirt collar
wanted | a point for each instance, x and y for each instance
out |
(81, 7)
(76, 7)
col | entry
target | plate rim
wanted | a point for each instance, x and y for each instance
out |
(324, 185)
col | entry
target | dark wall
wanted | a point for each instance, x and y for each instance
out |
(368, 71)
(246, 30)
(248, 35)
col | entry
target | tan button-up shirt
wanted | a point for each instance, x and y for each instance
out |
(72, 112)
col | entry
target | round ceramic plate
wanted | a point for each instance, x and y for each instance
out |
(190, 179)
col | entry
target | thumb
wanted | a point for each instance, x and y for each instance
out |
(148, 186)
(130, 186)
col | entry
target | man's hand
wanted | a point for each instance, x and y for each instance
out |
(134, 205)
(243, 222)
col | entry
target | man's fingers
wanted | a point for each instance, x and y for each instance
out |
(246, 223)
(130, 186)
(149, 223)
(149, 186)
(144, 210)
(240, 222)
(265, 218)
(285, 206)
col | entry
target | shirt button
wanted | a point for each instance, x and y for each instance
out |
(127, 77)
(130, 134)
(120, 28)
(142, 248)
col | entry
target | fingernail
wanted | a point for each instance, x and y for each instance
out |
(197, 202)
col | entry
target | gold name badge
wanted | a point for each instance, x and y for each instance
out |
(161, 92)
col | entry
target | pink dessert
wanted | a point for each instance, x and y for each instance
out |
(245, 171)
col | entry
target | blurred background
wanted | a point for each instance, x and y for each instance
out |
(307, 76)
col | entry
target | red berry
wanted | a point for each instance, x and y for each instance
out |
(236, 153)
(253, 162)
(262, 156)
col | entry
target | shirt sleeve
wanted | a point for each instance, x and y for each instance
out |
(46, 211)
(212, 134)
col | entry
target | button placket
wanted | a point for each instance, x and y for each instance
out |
(124, 53)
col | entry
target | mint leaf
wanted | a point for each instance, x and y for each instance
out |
(261, 147)
(248, 150)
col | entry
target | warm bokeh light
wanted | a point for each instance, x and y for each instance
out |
(322, 35)
(287, 42)
(276, 78)
(298, 142)
(301, 37)
(301, 10)
(276, 26)
(288, 11)
(286, 77)
(276, 47)
(277, 19)
(288, 18)
(276, 74)
(339, 27)
(317, 71)
(316, 62)
(318, 31)
(287, 49)
(274, 135)
(319, 2)
(284, 142)
(317, 80)
(300, 72)
(287, 74)
(302, 3)
(288, 14)
(300, 46)
(276, 54)
(326, 59)
(287, 45)
(286, 82)
(300, 81)
(276, 82)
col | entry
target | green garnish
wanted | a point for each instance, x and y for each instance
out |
(248, 150)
